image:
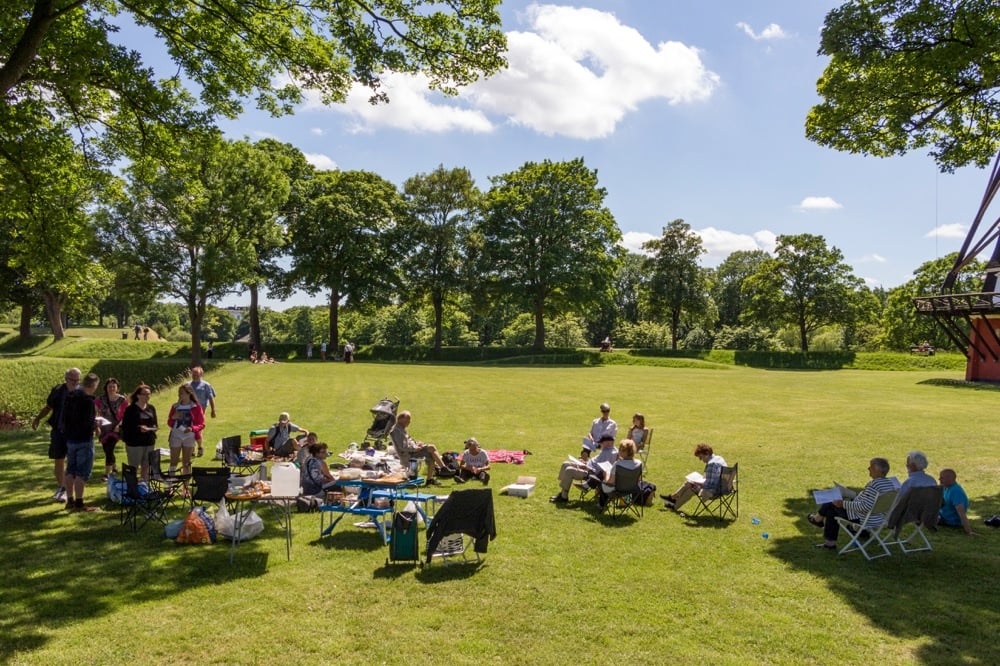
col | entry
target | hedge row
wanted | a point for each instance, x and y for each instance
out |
(25, 382)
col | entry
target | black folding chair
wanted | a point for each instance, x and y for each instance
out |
(175, 485)
(138, 507)
(625, 497)
(725, 503)
(208, 485)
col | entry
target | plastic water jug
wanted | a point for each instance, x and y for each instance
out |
(284, 480)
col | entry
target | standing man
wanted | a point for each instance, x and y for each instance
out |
(955, 503)
(309, 350)
(206, 397)
(322, 351)
(409, 449)
(57, 440)
(78, 421)
(603, 425)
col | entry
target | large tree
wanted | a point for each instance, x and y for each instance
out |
(549, 243)
(676, 283)
(441, 205)
(727, 285)
(908, 74)
(188, 222)
(344, 241)
(806, 285)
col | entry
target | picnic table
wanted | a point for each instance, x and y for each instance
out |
(365, 504)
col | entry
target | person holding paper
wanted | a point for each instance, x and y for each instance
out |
(706, 484)
(852, 509)
(582, 470)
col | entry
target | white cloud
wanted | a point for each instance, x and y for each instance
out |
(767, 240)
(948, 231)
(321, 161)
(872, 282)
(772, 31)
(317, 131)
(719, 243)
(872, 258)
(633, 240)
(579, 71)
(576, 72)
(819, 203)
(411, 108)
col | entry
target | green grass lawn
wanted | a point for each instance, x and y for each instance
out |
(561, 584)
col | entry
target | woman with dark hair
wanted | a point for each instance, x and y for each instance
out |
(138, 428)
(315, 473)
(697, 484)
(110, 406)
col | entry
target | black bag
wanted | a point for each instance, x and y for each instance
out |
(451, 465)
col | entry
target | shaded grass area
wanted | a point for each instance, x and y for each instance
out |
(560, 582)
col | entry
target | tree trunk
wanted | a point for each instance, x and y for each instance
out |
(539, 324)
(255, 318)
(803, 336)
(24, 328)
(42, 16)
(438, 301)
(197, 313)
(334, 322)
(675, 323)
(53, 312)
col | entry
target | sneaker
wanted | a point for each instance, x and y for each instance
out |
(670, 504)
(432, 482)
(59, 495)
(668, 498)
(459, 479)
(558, 499)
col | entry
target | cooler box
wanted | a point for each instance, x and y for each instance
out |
(258, 439)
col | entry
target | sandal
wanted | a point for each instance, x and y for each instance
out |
(815, 519)
(201, 452)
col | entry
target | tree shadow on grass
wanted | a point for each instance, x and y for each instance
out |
(944, 599)
(349, 537)
(65, 567)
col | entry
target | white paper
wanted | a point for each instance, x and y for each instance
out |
(101, 421)
(895, 482)
(845, 493)
(604, 466)
(695, 477)
(576, 461)
(828, 495)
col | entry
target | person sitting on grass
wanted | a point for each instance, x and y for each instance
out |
(955, 503)
(280, 442)
(707, 487)
(853, 509)
(474, 464)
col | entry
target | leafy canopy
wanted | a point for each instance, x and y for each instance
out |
(911, 74)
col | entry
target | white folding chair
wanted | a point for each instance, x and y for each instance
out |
(870, 529)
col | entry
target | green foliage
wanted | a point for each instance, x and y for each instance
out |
(806, 286)
(649, 334)
(727, 283)
(540, 225)
(676, 285)
(908, 74)
(746, 338)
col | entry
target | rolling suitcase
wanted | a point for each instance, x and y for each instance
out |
(403, 538)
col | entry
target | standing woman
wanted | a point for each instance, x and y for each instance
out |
(138, 429)
(186, 421)
(111, 407)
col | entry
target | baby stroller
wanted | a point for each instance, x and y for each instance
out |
(384, 414)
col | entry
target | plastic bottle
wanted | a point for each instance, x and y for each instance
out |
(262, 473)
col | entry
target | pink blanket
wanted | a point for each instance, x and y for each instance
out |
(504, 456)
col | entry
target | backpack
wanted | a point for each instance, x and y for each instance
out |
(451, 466)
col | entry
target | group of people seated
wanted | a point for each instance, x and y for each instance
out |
(953, 511)
(263, 358)
(597, 471)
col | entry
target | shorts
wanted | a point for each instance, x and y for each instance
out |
(178, 439)
(138, 455)
(57, 445)
(80, 459)
(286, 449)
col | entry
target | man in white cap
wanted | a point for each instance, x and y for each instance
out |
(475, 463)
(279, 437)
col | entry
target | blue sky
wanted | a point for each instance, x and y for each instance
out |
(691, 110)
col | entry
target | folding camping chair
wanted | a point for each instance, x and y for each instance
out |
(918, 508)
(141, 506)
(174, 484)
(232, 456)
(870, 528)
(625, 496)
(725, 503)
(647, 441)
(208, 485)
(465, 512)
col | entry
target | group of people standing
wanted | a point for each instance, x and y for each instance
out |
(348, 351)
(76, 414)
